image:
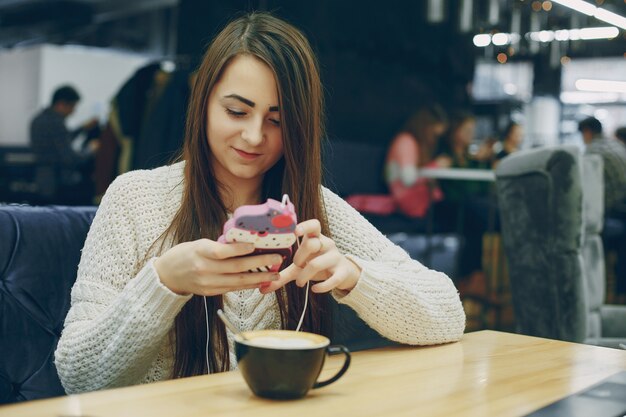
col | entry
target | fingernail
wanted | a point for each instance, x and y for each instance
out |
(298, 229)
(275, 277)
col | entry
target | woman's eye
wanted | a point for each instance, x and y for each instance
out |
(235, 113)
(275, 122)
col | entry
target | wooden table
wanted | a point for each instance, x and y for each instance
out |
(488, 373)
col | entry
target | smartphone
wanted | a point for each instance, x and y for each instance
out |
(270, 226)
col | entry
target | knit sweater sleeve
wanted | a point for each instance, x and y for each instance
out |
(397, 296)
(120, 312)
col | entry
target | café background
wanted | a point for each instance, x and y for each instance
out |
(379, 63)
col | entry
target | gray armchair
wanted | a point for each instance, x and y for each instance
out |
(551, 210)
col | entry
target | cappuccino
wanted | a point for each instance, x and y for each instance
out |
(282, 343)
(284, 363)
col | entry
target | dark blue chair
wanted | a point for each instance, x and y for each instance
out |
(39, 254)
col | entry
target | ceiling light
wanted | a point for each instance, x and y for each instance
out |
(465, 21)
(610, 17)
(599, 33)
(561, 35)
(580, 97)
(482, 39)
(435, 11)
(574, 34)
(597, 12)
(546, 36)
(578, 5)
(604, 86)
(500, 39)
(606, 32)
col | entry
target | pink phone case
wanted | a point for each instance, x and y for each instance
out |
(270, 226)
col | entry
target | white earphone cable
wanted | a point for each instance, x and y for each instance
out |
(306, 301)
(283, 204)
(306, 295)
(206, 314)
(285, 200)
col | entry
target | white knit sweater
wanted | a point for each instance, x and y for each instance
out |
(116, 330)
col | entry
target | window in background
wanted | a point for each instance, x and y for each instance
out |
(592, 87)
(503, 82)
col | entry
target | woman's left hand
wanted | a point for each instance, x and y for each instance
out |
(317, 259)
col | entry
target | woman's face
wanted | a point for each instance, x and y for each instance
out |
(439, 129)
(464, 134)
(433, 132)
(243, 122)
(515, 135)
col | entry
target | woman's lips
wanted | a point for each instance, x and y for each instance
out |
(246, 155)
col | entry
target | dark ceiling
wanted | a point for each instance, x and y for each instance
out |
(141, 25)
(151, 25)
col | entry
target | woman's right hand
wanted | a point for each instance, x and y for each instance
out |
(206, 267)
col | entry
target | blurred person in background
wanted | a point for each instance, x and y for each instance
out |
(620, 134)
(454, 152)
(511, 141)
(454, 149)
(413, 148)
(613, 153)
(61, 170)
(466, 206)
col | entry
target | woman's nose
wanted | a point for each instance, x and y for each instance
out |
(253, 134)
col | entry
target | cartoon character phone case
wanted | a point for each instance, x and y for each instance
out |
(270, 226)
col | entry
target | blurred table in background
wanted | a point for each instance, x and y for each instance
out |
(462, 174)
(17, 172)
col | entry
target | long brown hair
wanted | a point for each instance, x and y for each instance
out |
(418, 126)
(457, 119)
(298, 173)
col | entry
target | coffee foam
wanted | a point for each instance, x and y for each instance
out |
(281, 343)
(283, 339)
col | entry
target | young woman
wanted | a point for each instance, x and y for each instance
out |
(254, 127)
(466, 204)
(511, 142)
(455, 153)
(413, 148)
